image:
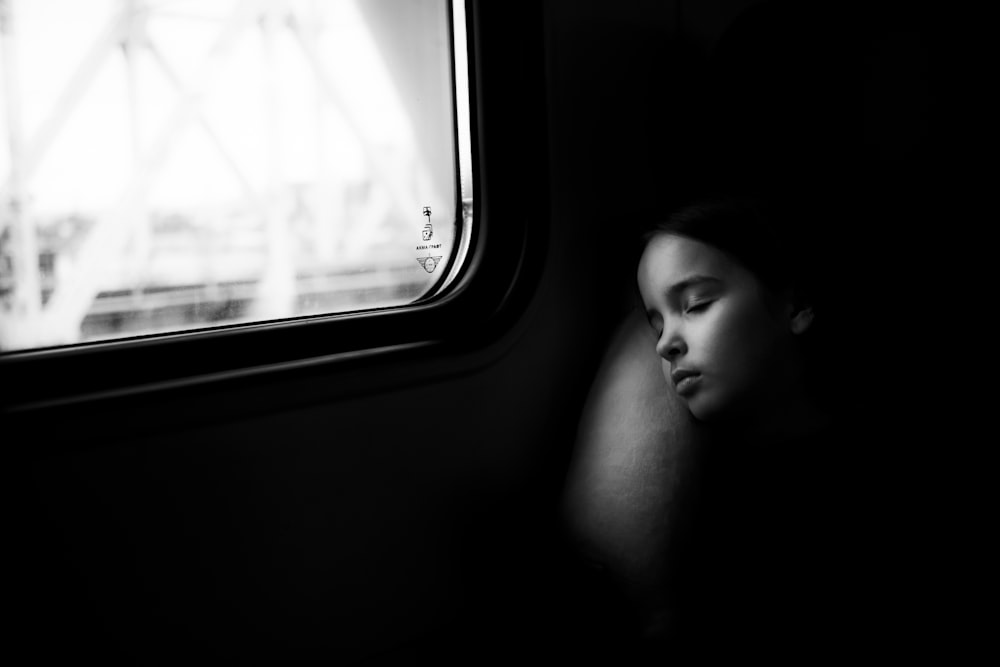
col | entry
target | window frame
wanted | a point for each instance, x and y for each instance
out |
(483, 301)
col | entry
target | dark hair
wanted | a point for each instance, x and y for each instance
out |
(763, 237)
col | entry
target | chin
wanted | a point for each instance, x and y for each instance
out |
(704, 410)
(710, 409)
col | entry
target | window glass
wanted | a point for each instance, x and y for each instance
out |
(169, 165)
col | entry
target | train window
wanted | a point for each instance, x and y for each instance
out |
(175, 165)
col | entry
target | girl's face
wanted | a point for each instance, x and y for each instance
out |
(726, 343)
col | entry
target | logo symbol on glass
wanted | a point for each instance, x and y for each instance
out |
(429, 263)
(428, 232)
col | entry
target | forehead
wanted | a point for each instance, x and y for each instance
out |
(669, 259)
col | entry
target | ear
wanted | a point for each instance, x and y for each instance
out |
(801, 320)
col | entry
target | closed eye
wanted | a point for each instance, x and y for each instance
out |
(698, 306)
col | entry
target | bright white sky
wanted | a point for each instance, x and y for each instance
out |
(90, 161)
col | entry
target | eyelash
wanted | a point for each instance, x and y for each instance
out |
(697, 306)
(693, 307)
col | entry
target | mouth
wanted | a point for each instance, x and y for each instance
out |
(685, 381)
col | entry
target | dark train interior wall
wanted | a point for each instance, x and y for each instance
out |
(389, 512)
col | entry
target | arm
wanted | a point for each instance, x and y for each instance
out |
(633, 445)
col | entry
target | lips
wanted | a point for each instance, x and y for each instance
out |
(685, 380)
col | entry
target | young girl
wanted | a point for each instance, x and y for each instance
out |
(764, 556)
(731, 308)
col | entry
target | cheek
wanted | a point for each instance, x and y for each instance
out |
(738, 344)
(734, 350)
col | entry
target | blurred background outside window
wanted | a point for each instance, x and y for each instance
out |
(169, 165)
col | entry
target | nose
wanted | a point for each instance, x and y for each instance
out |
(671, 344)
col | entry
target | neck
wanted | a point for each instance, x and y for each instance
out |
(775, 418)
